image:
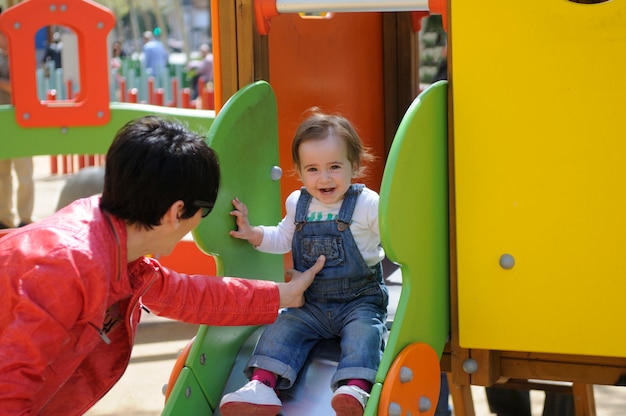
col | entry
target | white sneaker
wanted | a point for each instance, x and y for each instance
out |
(349, 401)
(253, 399)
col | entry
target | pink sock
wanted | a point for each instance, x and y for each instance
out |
(359, 382)
(266, 377)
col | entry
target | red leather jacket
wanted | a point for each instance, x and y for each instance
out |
(70, 304)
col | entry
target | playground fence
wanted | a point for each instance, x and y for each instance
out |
(129, 83)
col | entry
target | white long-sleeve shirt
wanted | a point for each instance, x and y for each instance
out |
(364, 226)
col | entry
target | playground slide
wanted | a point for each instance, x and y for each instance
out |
(414, 230)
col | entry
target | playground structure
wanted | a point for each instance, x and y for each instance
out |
(502, 180)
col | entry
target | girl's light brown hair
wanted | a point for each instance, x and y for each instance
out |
(319, 126)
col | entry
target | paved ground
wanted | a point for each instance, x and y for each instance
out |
(139, 392)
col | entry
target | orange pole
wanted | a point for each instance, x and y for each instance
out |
(159, 97)
(69, 87)
(174, 102)
(200, 85)
(54, 167)
(132, 95)
(210, 97)
(204, 97)
(151, 90)
(64, 164)
(123, 95)
(186, 98)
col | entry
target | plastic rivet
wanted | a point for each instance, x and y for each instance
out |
(394, 409)
(406, 375)
(424, 404)
(276, 173)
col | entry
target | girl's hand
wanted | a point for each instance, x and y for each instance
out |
(245, 231)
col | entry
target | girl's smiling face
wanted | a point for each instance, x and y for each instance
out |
(324, 169)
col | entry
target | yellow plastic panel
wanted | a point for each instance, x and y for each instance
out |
(540, 140)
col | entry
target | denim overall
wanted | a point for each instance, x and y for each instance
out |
(347, 300)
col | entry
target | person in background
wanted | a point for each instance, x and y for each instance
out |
(348, 299)
(155, 57)
(53, 51)
(73, 285)
(117, 56)
(23, 166)
(203, 69)
(118, 50)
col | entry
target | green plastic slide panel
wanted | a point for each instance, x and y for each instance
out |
(245, 136)
(413, 218)
(207, 367)
(191, 399)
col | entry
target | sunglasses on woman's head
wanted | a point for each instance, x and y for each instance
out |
(205, 206)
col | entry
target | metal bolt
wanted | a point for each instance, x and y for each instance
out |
(188, 392)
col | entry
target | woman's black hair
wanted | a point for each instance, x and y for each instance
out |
(154, 162)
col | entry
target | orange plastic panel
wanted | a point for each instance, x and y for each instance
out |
(413, 382)
(91, 23)
(334, 64)
(187, 258)
(178, 366)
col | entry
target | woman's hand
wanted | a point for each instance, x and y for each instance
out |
(292, 292)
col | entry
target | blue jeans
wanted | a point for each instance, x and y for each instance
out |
(285, 345)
